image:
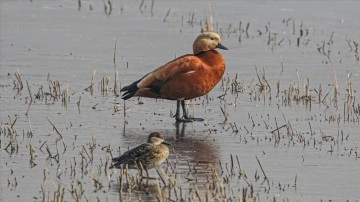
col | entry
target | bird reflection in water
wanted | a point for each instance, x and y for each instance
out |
(195, 155)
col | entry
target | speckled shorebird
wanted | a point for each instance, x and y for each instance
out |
(187, 77)
(150, 154)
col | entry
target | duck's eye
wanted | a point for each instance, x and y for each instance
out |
(212, 38)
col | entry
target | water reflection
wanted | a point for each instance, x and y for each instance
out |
(195, 155)
(194, 146)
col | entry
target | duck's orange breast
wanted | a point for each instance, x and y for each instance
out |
(207, 70)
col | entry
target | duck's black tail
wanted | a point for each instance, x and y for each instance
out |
(129, 90)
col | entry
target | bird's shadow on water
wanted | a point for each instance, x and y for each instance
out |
(194, 156)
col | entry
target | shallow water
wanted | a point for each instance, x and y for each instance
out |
(314, 158)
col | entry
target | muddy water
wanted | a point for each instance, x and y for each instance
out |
(307, 151)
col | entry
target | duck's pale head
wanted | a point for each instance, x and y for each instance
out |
(156, 138)
(207, 41)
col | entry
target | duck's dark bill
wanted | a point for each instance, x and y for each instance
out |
(221, 46)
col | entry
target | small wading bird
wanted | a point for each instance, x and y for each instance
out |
(187, 77)
(147, 155)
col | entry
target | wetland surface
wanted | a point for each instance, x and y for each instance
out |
(283, 124)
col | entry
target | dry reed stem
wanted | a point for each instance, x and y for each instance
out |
(262, 170)
(18, 84)
(91, 87)
(104, 85)
(152, 7)
(166, 15)
(141, 4)
(79, 5)
(57, 132)
(117, 86)
(209, 24)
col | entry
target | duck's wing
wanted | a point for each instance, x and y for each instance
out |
(153, 81)
(133, 155)
(182, 65)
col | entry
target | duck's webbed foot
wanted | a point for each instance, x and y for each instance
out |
(186, 117)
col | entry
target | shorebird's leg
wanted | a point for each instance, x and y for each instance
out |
(147, 176)
(147, 173)
(162, 174)
(140, 169)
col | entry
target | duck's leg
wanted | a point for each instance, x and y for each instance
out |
(185, 113)
(186, 117)
(177, 114)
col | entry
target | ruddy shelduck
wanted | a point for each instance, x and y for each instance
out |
(184, 78)
(146, 155)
